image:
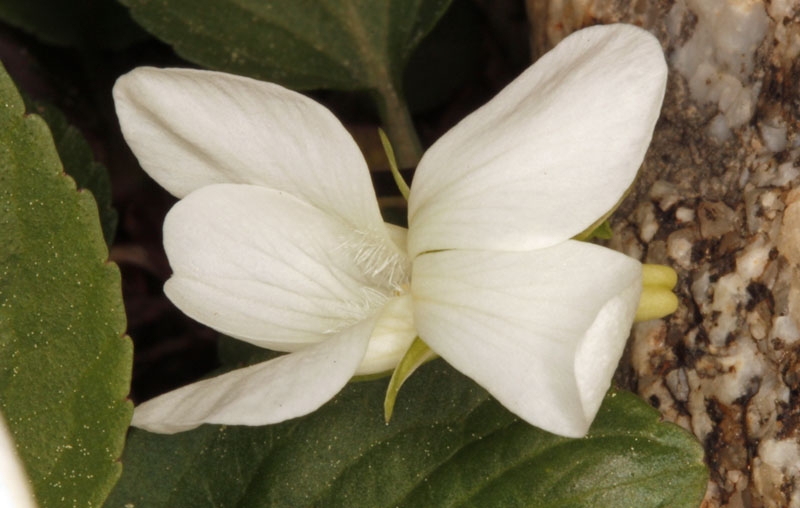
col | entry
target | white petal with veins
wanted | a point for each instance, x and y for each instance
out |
(515, 322)
(550, 154)
(270, 392)
(191, 128)
(393, 334)
(267, 268)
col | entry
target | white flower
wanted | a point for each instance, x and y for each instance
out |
(15, 489)
(278, 239)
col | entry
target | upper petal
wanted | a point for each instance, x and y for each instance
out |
(550, 154)
(542, 331)
(191, 128)
(265, 267)
(287, 387)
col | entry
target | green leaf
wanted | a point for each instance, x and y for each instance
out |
(79, 163)
(305, 44)
(447, 58)
(86, 24)
(449, 444)
(302, 44)
(64, 362)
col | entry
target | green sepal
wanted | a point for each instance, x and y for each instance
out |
(402, 186)
(601, 228)
(417, 354)
(602, 232)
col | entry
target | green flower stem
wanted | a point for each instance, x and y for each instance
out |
(396, 119)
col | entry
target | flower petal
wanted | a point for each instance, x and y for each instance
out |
(542, 330)
(398, 234)
(550, 154)
(15, 489)
(191, 128)
(393, 334)
(287, 387)
(267, 268)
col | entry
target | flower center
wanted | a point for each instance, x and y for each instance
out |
(383, 264)
(385, 269)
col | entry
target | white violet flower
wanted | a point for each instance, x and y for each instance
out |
(277, 239)
(15, 489)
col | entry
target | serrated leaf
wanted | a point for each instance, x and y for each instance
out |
(449, 444)
(64, 361)
(78, 161)
(302, 44)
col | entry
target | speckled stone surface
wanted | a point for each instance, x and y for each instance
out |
(718, 199)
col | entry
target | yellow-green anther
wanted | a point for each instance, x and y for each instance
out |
(659, 275)
(417, 354)
(655, 303)
(398, 178)
(657, 298)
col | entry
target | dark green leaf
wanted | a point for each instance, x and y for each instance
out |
(79, 163)
(302, 44)
(446, 59)
(448, 444)
(87, 24)
(65, 362)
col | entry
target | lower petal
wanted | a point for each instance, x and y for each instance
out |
(271, 392)
(541, 330)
